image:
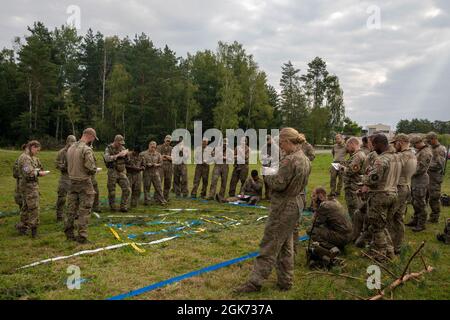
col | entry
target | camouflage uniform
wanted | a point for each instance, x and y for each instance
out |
(250, 188)
(331, 229)
(117, 174)
(96, 204)
(134, 169)
(396, 226)
(436, 174)
(266, 162)
(419, 185)
(366, 150)
(240, 170)
(276, 248)
(180, 176)
(81, 167)
(382, 180)
(29, 190)
(64, 181)
(152, 163)
(339, 151)
(201, 172)
(166, 169)
(220, 171)
(352, 176)
(308, 150)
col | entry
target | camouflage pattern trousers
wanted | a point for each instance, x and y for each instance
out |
(266, 189)
(120, 178)
(354, 203)
(201, 173)
(335, 176)
(277, 248)
(329, 238)
(434, 195)
(240, 173)
(80, 201)
(135, 179)
(396, 225)
(180, 180)
(29, 213)
(150, 178)
(96, 205)
(63, 190)
(17, 195)
(381, 206)
(166, 177)
(418, 199)
(219, 171)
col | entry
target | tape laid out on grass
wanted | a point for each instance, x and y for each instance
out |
(120, 245)
(191, 274)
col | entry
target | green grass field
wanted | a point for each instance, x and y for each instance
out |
(118, 271)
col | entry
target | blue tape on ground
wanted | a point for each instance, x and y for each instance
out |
(189, 275)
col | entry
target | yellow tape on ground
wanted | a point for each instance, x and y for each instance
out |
(210, 221)
(132, 244)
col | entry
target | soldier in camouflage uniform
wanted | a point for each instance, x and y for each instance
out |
(251, 190)
(180, 176)
(276, 248)
(116, 157)
(16, 175)
(308, 150)
(381, 186)
(201, 169)
(96, 204)
(81, 167)
(436, 174)
(30, 170)
(331, 230)
(134, 169)
(339, 151)
(409, 164)
(352, 173)
(365, 145)
(419, 184)
(220, 171)
(165, 150)
(64, 181)
(445, 237)
(152, 161)
(240, 167)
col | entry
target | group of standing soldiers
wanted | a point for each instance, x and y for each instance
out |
(380, 178)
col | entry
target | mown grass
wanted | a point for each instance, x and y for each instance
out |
(119, 271)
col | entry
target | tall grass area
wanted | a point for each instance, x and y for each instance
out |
(118, 271)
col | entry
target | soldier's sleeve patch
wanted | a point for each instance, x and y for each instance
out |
(356, 167)
(26, 169)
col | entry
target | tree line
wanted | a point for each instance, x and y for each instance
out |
(55, 83)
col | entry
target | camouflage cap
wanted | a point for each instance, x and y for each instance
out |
(120, 139)
(91, 131)
(416, 139)
(400, 137)
(431, 135)
(71, 139)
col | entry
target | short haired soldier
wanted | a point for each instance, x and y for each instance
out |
(64, 181)
(436, 174)
(30, 170)
(409, 164)
(365, 145)
(166, 174)
(220, 171)
(81, 167)
(419, 184)
(116, 157)
(151, 161)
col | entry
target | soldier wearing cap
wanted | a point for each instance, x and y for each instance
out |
(165, 150)
(408, 160)
(436, 174)
(81, 167)
(152, 160)
(116, 157)
(220, 170)
(201, 155)
(64, 181)
(419, 184)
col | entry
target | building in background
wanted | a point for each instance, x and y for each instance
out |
(383, 128)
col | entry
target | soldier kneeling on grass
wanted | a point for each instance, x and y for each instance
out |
(330, 233)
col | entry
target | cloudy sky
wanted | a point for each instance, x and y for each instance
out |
(391, 68)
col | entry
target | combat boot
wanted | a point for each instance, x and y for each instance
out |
(284, 287)
(82, 240)
(22, 231)
(433, 220)
(411, 223)
(123, 209)
(34, 232)
(247, 287)
(444, 238)
(419, 228)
